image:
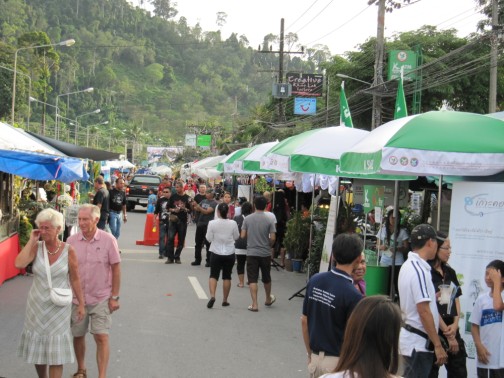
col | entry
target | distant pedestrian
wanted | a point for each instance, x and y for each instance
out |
(117, 206)
(205, 210)
(179, 207)
(101, 199)
(221, 234)
(241, 243)
(162, 215)
(329, 301)
(259, 230)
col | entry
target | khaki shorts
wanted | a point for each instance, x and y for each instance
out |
(97, 320)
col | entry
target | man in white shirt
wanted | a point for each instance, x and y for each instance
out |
(418, 304)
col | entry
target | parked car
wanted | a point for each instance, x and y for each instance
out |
(137, 190)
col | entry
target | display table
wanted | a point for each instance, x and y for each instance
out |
(9, 249)
(377, 280)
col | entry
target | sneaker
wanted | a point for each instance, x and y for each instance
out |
(177, 261)
(196, 263)
(169, 261)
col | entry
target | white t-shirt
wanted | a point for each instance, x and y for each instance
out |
(386, 256)
(221, 234)
(490, 329)
(415, 286)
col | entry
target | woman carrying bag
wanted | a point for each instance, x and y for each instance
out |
(46, 340)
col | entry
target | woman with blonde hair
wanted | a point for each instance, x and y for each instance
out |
(371, 343)
(46, 340)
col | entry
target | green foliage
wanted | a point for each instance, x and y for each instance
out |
(25, 229)
(297, 236)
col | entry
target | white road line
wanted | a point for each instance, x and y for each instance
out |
(197, 287)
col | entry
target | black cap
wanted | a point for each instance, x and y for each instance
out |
(423, 232)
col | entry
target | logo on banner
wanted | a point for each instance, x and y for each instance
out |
(304, 106)
(481, 205)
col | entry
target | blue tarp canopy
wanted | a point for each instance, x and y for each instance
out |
(24, 155)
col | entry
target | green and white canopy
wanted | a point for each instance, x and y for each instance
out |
(433, 143)
(251, 160)
(230, 165)
(317, 151)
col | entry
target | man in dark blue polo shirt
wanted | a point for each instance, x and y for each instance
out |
(330, 298)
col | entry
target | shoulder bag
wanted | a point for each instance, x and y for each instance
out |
(59, 296)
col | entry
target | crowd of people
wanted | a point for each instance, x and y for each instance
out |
(345, 333)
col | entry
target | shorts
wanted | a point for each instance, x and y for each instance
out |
(97, 320)
(254, 263)
(221, 262)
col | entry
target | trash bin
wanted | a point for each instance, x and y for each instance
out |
(377, 280)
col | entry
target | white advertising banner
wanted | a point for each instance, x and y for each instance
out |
(477, 237)
(329, 235)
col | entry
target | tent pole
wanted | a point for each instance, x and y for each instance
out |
(396, 229)
(440, 193)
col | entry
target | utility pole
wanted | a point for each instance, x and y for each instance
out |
(378, 66)
(281, 52)
(494, 43)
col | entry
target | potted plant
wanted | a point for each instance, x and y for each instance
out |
(297, 239)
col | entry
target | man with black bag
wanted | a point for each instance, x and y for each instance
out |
(162, 214)
(419, 335)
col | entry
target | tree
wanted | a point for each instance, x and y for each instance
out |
(390, 5)
(164, 8)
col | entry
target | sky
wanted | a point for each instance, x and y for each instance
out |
(339, 24)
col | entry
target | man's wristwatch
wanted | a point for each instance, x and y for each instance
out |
(115, 297)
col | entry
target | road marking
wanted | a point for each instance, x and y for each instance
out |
(197, 287)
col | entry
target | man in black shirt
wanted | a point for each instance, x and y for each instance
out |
(200, 196)
(206, 211)
(179, 207)
(117, 205)
(101, 199)
(161, 212)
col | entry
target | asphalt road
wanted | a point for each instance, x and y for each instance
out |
(164, 329)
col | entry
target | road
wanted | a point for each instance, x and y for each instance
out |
(164, 329)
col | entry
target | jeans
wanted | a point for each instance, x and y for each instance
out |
(200, 239)
(163, 240)
(418, 365)
(176, 228)
(115, 223)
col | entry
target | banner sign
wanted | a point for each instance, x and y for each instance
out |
(190, 140)
(306, 85)
(155, 154)
(374, 196)
(477, 238)
(329, 235)
(204, 141)
(402, 59)
(304, 106)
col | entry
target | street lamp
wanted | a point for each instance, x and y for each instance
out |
(90, 89)
(88, 127)
(343, 76)
(71, 122)
(33, 99)
(68, 42)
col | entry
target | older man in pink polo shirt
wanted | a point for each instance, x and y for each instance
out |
(100, 276)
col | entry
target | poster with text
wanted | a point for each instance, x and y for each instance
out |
(329, 235)
(477, 237)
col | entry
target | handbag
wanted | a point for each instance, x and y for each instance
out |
(173, 218)
(59, 296)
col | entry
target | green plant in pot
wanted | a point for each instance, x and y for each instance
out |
(297, 236)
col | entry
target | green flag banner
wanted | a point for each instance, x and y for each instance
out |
(374, 196)
(345, 116)
(400, 105)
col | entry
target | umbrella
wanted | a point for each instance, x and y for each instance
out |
(230, 164)
(317, 151)
(432, 143)
(251, 160)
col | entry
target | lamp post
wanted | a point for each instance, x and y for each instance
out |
(343, 76)
(87, 130)
(71, 122)
(33, 99)
(110, 137)
(90, 89)
(68, 42)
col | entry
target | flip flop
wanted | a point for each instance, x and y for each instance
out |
(272, 299)
(225, 304)
(250, 308)
(239, 285)
(211, 302)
